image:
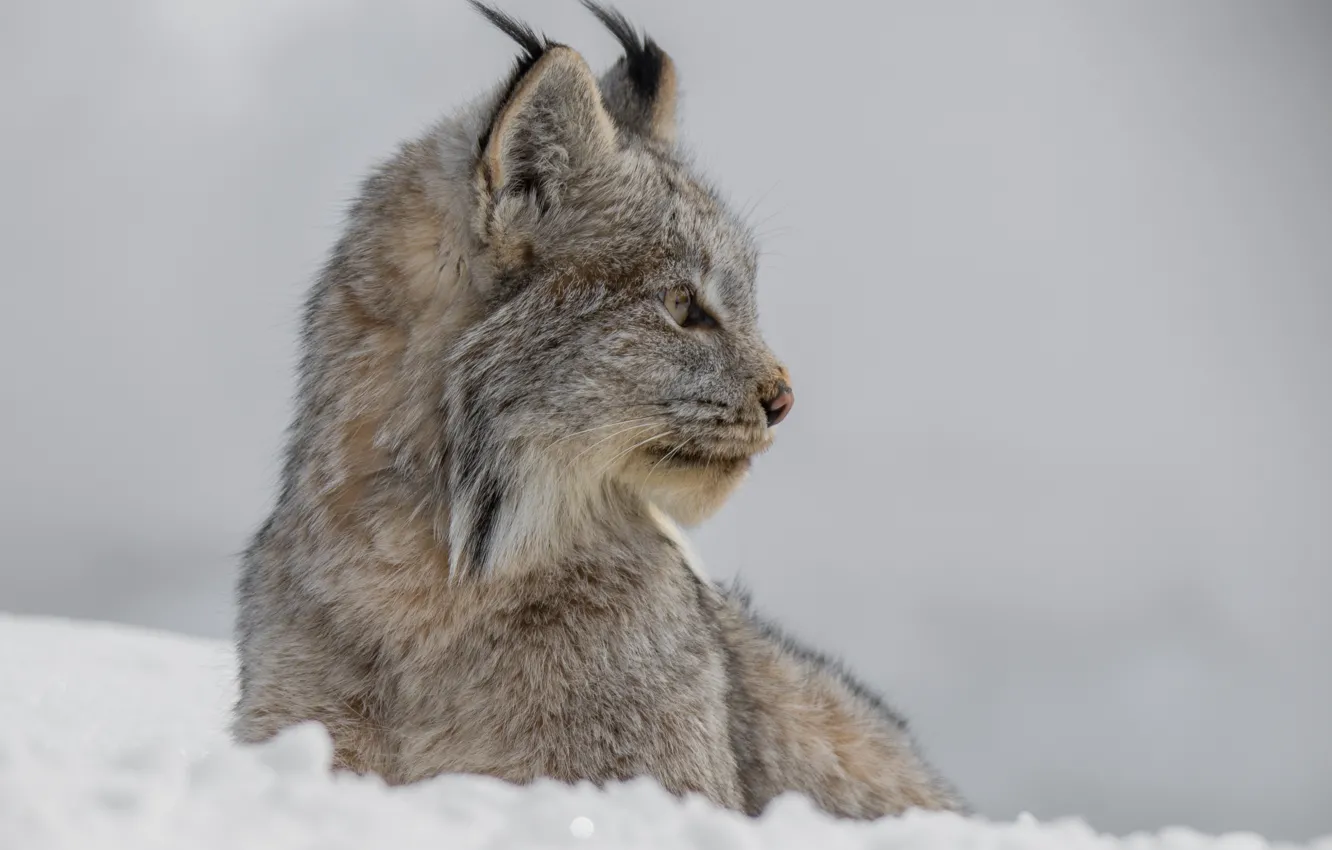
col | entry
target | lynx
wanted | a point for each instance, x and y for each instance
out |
(531, 358)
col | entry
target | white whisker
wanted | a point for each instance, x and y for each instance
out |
(611, 437)
(668, 456)
(599, 427)
(631, 448)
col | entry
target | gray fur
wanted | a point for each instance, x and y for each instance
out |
(474, 563)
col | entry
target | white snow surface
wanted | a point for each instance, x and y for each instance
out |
(115, 737)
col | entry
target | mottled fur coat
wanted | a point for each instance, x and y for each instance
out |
(532, 353)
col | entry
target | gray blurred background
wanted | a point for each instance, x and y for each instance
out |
(1054, 280)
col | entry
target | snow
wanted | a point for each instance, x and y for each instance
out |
(114, 737)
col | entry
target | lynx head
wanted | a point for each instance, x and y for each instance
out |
(612, 356)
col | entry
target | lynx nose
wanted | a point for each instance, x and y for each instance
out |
(779, 405)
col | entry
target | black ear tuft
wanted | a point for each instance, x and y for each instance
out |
(547, 125)
(642, 57)
(534, 46)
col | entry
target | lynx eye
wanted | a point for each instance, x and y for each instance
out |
(678, 301)
(684, 309)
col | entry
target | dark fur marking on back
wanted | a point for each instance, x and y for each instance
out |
(642, 56)
(741, 709)
(737, 592)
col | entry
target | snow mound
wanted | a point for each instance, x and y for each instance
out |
(112, 737)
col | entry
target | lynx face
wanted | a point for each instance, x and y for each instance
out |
(641, 357)
(617, 342)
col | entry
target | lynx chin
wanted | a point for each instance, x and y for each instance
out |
(533, 351)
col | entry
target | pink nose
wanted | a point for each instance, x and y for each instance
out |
(779, 405)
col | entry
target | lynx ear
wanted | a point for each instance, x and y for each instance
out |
(639, 89)
(549, 126)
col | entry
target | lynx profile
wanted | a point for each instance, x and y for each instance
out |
(532, 352)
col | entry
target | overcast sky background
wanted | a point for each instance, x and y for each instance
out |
(1053, 278)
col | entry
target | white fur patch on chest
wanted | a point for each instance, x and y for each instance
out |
(677, 536)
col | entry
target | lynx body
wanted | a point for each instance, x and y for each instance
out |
(532, 353)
